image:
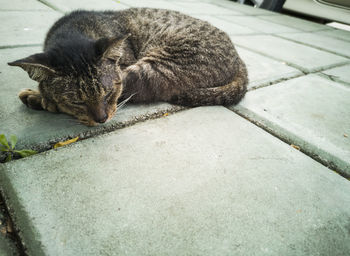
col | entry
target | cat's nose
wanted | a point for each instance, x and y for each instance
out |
(101, 119)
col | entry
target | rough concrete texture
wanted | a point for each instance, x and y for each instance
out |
(205, 8)
(303, 57)
(22, 5)
(297, 23)
(182, 6)
(246, 10)
(263, 70)
(310, 111)
(229, 27)
(336, 33)
(339, 74)
(194, 183)
(26, 27)
(259, 25)
(69, 5)
(150, 4)
(323, 42)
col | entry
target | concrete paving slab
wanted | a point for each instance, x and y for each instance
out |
(25, 28)
(205, 8)
(247, 10)
(199, 1)
(336, 33)
(69, 5)
(257, 24)
(41, 129)
(296, 23)
(151, 4)
(303, 57)
(229, 27)
(263, 71)
(310, 111)
(323, 42)
(20, 5)
(339, 74)
(193, 183)
(184, 7)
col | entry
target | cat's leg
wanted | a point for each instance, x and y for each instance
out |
(147, 82)
(33, 99)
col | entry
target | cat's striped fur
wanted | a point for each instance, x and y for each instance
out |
(92, 59)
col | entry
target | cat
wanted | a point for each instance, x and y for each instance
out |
(91, 60)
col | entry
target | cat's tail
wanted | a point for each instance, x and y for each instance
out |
(228, 94)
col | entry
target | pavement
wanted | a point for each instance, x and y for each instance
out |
(269, 176)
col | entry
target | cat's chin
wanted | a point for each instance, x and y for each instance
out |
(91, 123)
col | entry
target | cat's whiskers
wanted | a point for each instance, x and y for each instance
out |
(121, 104)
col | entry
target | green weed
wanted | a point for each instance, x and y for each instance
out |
(9, 148)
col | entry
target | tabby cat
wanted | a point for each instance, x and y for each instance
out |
(92, 60)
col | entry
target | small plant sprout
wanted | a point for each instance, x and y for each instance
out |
(9, 148)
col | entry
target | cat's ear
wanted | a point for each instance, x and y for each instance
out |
(110, 48)
(36, 66)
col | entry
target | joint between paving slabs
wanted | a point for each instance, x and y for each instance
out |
(303, 71)
(311, 45)
(273, 82)
(44, 2)
(333, 78)
(13, 236)
(19, 46)
(23, 11)
(300, 68)
(330, 165)
(274, 58)
(48, 145)
(316, 72)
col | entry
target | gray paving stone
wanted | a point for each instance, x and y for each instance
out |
(229, 27)
(263, 71)
(69, 5)
(184, 7)
(20, 5)
(40, 129)
(324, 42)
(336, 33)
(25, 28)
(204, 8)
(247, 10)
(257, 24)
(305, 58)
(193, 183)
(297, 23)
(311, 112)
(339, 74)
(199, 1)
(151, 4)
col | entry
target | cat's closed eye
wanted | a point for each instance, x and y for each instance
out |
(79, 103)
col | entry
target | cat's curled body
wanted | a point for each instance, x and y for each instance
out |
(93, 59)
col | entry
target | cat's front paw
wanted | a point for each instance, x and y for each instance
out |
(31, 98)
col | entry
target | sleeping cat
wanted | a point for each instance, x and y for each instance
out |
(92, 60)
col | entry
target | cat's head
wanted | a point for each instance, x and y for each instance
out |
(81, 78)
